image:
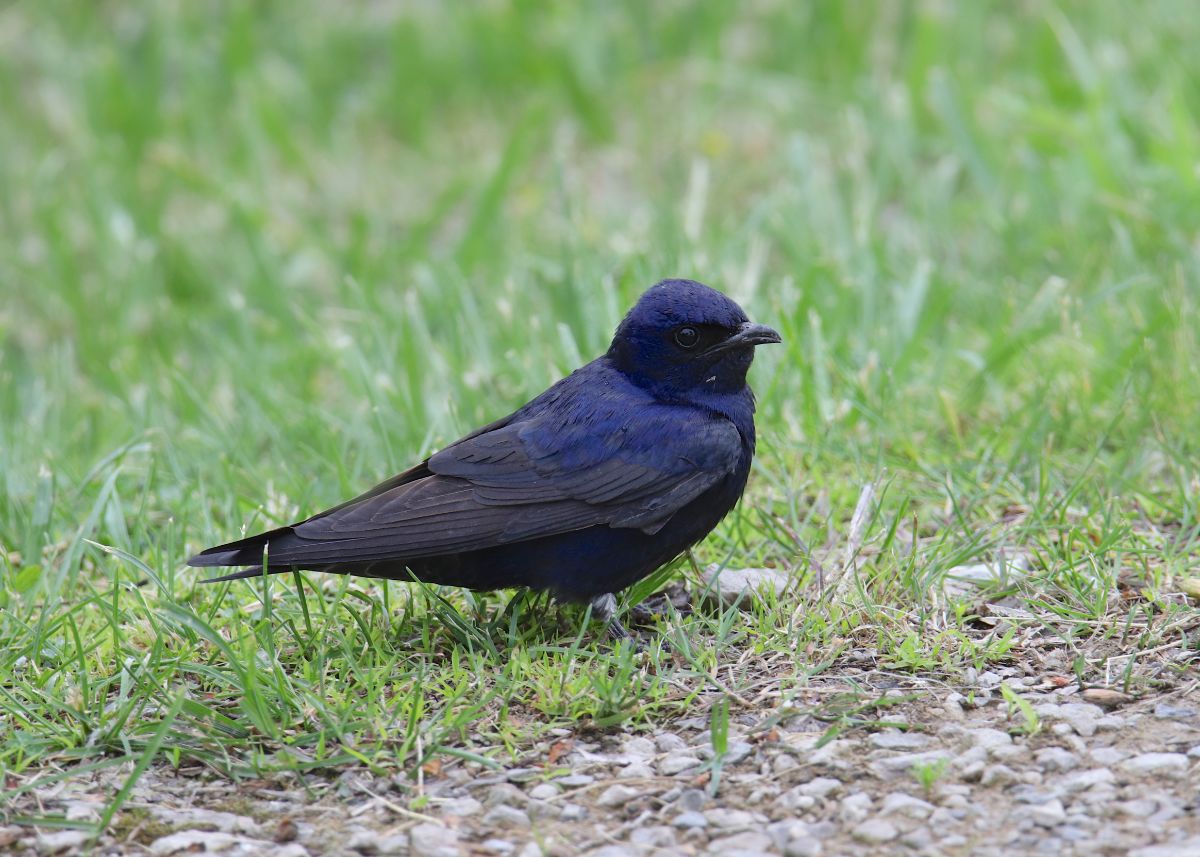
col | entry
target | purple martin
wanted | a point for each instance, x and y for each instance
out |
(603, 478)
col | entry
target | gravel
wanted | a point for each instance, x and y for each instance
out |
(927, 789)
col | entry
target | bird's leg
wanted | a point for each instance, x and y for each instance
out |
(604, 608)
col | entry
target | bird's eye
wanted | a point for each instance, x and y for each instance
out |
(687, 337)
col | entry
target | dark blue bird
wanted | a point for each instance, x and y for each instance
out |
(593, 485)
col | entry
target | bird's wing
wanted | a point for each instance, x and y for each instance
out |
(528, 479)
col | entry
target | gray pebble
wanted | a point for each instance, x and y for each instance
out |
(508, 817)
(573, 781)
(899, 740)
(1159, 764)
(66, 840)
(1182, 848)
(750, 841)
(855, 807)
(692, 799)
(668, 742)
(433, 840)
(636, 770)
(654, 836)
(498, 846)
(689, 819)
(639, 746)
(461, 806)
(729, 819)
(908, 806)
(612, 851)
(1056, 759)
(677, 763)
(821, 787)
(997, 775)
(504, 794)
(615, 796)
(875, 831)
(544, 791)
(1048, 814)
(572, 812)
(1167, 711)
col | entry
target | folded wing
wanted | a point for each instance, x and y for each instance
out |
(519, 480)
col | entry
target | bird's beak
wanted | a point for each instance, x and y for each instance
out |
(754, 334)
(749, 334)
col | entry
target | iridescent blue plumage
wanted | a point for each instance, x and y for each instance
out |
(594, 484)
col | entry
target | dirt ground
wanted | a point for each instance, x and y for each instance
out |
(961, 770)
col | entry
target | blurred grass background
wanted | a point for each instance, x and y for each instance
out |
(255, 257)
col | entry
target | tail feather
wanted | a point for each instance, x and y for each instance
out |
(253, 571)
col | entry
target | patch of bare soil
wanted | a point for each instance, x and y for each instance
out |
(876, 762)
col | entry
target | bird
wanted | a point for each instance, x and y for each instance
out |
(600, 480)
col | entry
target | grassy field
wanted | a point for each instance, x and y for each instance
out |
(256, 257)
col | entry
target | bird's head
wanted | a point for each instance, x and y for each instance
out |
(683, 338)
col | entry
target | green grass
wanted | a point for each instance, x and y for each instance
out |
(256, 257)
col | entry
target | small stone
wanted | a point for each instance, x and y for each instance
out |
(1082, 717)
(509, 817)
(654, 836)
(689, 819)
(1056, 759)
(1084, 780)
(461, 807)
(612, 851)
(737, 752)
(729, 819)
(1048, 814)
(908, 806)
(504, 794)
(639, 746)
(987, 738)
(875, 831)
(784, 762)
(692, 799)
(997, 775)
(1159, 764)
(572, 812)
(615, 796)
(1167, 711)
(899, 740)
(636, 770)
(1110, 723)
(61, 840)
(820, 787)
(904, 763)
(498, 846)
(795, 801)
(295, 849)
(750, 841)
(397, 843)
(677, 763)
(742, 585)
(855, 807)
(433, 840)
(544, 791)
(1107, 756)
(189, 841)
(1183, 848)
(539, 809)
(668, 742)
(574, 781)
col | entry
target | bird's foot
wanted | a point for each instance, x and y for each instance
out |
(604, 609)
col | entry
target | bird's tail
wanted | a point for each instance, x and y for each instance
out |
(252, 552)
(253, 571)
